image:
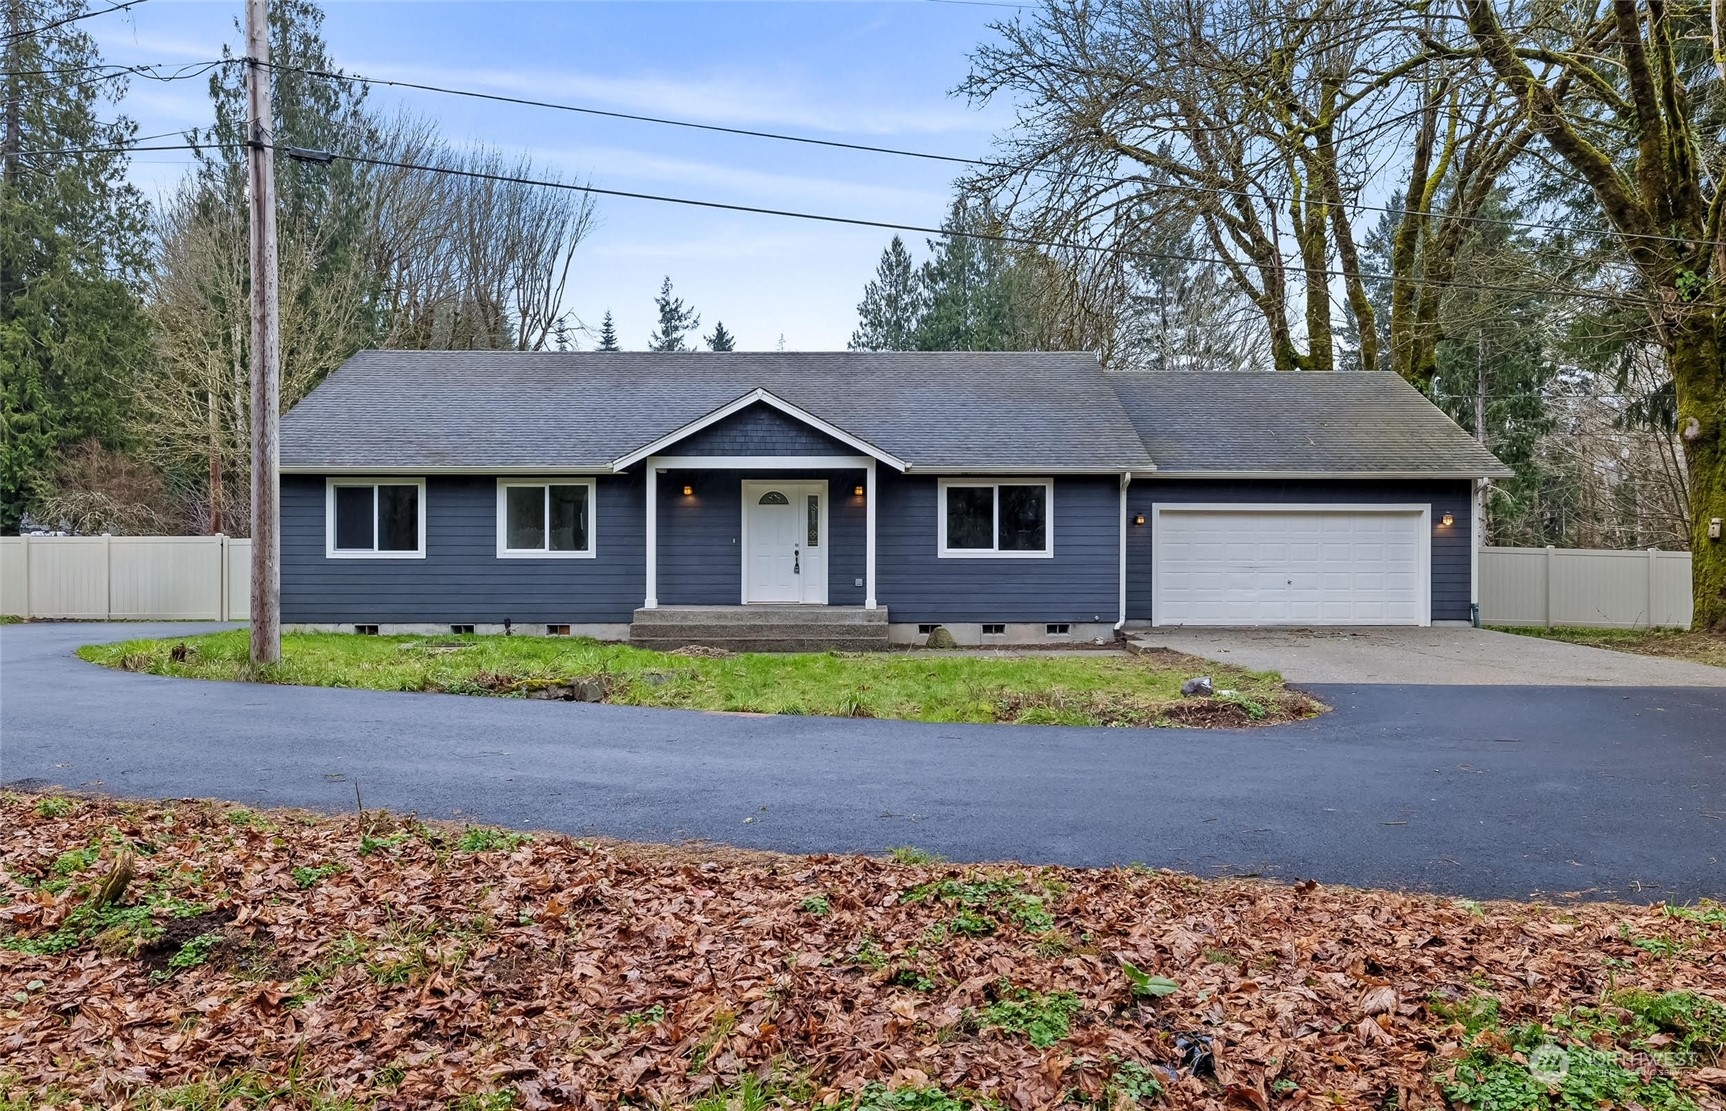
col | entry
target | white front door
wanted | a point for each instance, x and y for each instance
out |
(785, 542)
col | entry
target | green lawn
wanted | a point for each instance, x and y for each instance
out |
(1679, 644)
(1039, 689)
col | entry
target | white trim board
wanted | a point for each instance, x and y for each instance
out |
(754, 396)
(374, 481)
(1358, 476)
(942, 551)
(1421, 511)
(545, 482)
(664, 463)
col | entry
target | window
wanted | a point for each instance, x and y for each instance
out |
(545, 519)
(366, 630)
(1057, 629)
(375, 518)
(557, 630)
(995, 630)
(1007, 519)
(461, 630)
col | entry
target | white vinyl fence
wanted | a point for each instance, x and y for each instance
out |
(207, 578)
(1584, 586)
(126, 578)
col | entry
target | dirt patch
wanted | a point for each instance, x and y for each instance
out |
(155, 954)
(702, 652)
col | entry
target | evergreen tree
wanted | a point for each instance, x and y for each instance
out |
(676, 320)
(892, 304)
(975, 296)
(607, 334)
(72, 255)
(720, 339)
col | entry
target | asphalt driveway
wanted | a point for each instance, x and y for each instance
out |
(1476, 790)
(1446, 656)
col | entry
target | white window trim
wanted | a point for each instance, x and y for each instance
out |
(945, 552)
(503, 485)
(374, 481)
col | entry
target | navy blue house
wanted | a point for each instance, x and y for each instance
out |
(1010, 497)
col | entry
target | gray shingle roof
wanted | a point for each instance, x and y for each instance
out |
(438, 409)
(1341, 423)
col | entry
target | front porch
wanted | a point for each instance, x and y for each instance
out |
(762, 628)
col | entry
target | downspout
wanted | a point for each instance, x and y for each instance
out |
(1476, 537)
(1126, 480)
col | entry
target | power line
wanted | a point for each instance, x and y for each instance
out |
(931, 156)
(855, 221)
(71, 19)
(323, 156)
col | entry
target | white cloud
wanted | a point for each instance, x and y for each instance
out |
(621, 167)
(718, 98)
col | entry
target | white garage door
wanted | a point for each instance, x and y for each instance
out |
(1290, 565)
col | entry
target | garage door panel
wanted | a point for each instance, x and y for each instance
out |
(1271, 565)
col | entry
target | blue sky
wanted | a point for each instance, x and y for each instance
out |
(878, 73)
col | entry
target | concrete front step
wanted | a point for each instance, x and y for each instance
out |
(812, 630)
(762, 628)
(776, 616)
(763, 643)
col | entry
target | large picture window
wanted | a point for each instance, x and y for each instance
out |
(545, 518)
(374, 518)
(1007, 518)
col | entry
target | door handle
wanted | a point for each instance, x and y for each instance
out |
(796, 561)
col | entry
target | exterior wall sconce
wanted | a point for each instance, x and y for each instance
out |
(857, 490)
(1138, 518)
(1447, 520)
(688, 490)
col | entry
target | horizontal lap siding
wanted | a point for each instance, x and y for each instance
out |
(1450, 546)
(759, 429)
(461, 580)
(701, 535)
(1080, 583)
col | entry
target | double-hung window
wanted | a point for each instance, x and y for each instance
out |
(1007, 518)
(381, 518)
(545, 518)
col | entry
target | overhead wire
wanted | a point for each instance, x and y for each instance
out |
(16, 36)
(831, 218)
(932, 156)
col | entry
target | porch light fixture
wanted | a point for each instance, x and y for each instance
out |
(1138, 518)
(857, 490)
(689, 490)
(1447, 520)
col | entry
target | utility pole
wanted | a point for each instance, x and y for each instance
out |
(266, 343)
(12, 141)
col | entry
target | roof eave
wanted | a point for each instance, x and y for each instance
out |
(1502, 472)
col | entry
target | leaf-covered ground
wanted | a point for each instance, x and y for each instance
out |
(1677, 644)
(1087, 688)
(282, 959)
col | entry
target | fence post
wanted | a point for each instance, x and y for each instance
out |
(1551, 556)
(221, 542)
(107, 576)
(1653, 554)
(27, 612)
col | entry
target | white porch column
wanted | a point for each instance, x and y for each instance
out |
(652, 556)
(869, 536)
